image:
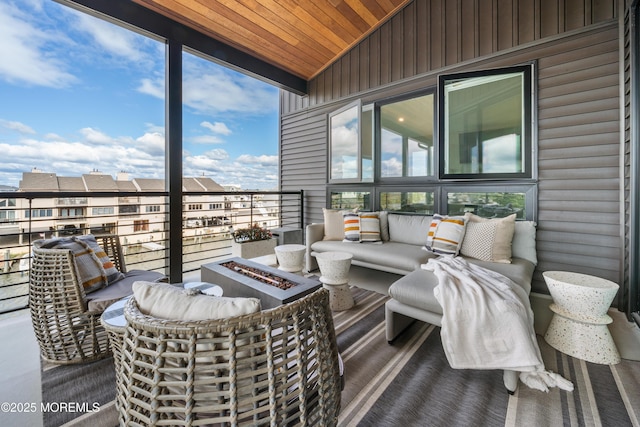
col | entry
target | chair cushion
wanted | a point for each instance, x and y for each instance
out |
(99, 300)
(166, 301)
(94, 267)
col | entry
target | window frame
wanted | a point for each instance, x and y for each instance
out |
(527, 140)
(395, 180)
(358, 105)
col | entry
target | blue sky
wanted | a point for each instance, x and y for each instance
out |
(78, 94)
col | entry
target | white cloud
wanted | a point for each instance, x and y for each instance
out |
(23, 52)
(217, 127)
(95, 136)
(210, 89)
(206, 139)
(152, 87)
(263, 160)
(251, 172)
(113, 39)
(17, 126)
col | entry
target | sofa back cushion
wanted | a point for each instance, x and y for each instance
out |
(411, 229)
(524, 241)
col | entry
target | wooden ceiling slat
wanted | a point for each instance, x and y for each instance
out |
(365, 12)
(299, 36)
(276, 15)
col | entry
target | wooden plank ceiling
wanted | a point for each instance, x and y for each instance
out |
(302, 37)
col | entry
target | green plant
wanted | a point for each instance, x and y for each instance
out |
(252, 234)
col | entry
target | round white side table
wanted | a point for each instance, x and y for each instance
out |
(290, 257)
(334, 270)
(579, 324)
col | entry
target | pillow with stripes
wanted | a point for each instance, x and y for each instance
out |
(351, 222)
(370, 227)
(446, 235)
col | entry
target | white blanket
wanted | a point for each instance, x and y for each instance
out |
(487, 322)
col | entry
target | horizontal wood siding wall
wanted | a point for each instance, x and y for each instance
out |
(578, 116)
(579, 157)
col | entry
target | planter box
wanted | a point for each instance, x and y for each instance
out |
(255, 249)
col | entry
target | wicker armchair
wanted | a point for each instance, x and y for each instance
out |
(66, 330)
(275, 367)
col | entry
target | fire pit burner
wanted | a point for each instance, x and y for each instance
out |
(244, 283)
(260, 275)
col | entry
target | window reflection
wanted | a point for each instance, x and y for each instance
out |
(407, 137)
(486, 204)
(407, 201)
(485, 124)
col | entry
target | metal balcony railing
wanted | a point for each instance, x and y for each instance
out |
(207, 221)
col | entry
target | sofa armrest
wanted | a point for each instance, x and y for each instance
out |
(313, 233)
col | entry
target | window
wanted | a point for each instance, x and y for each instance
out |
(7, 202)
(152, 208)
(195, 207)
(492, 201)
(71, 212)
(351, 144)
(485, 124)
(483, 137)
(141, 225)
(351, 200)
(408, 201)
(128, 209)
(406, 137)
(215, 206)
(7, 216)
(38, 213)
(107, 210)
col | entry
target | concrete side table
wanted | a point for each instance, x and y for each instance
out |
(334, 270)
(291, 257)
(579, 324)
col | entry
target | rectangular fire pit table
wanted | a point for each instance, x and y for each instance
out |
(235, 284)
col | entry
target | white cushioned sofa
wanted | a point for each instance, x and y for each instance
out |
(402, 251)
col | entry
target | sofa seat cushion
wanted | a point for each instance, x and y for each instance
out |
(388, 254)
(416, 289)
(99, 300)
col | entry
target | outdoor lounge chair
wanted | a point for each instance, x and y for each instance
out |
(66, 321)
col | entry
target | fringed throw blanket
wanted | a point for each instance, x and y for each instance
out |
(487, 323)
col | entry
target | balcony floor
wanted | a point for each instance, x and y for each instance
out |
(20, 364)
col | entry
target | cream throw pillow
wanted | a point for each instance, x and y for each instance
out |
(333, 224)
(170, 302)
(489, 239)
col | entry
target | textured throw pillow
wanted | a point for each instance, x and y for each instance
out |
(166, 301)
(489, 239)
(448, 235)
(370, 227)
(333, 224)
(89, 268)
(351, 222)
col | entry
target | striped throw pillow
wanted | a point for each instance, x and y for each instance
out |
(448, 235)
(110, 270)
(351, 223)
(370, 227)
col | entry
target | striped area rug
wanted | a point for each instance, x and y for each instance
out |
(410, 382)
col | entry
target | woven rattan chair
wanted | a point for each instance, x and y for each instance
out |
(66, 330)
(278, 367)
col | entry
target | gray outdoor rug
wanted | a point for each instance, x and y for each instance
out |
(410, 383)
